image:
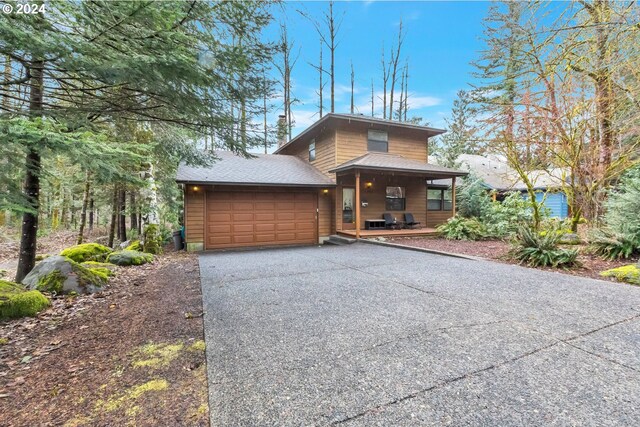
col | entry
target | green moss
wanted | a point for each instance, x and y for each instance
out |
(52, 282)
(17, 302)
(4, 341)
(156, 355)
(152, 239)
(627, 273)
(129, 258)
(94, 264)
(134, 246)
(40, 257)
(104, 273)
(198, 346)
(131, 395)
(87, 252)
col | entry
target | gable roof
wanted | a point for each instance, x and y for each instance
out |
(396, 163)
(331, 119)
(263, 169)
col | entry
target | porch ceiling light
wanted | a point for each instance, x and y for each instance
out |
(368, 184)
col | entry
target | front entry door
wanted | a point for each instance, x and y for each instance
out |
(348, 208)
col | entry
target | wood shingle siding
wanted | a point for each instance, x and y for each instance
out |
(325, 152)
(194, 215)
(353, 143)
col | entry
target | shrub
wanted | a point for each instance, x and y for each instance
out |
(541, 249)
(458, 228)
(134, 246)
(86, 252)
(506, 217)
(611, 245)
(472, 199)
(626, 273)
(16, 301)
(620, 237)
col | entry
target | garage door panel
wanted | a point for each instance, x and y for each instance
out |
(242, 217)
(214, 217)
(243, 239)
(219, 228)
(237, 219)
(265, 238)
(242, 228)
(270, 216)
(261, 228)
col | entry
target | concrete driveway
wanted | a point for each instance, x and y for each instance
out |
(364, 335)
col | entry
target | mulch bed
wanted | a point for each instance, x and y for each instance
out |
(130, 355)
(497, 250)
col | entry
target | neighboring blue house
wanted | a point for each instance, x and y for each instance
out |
(498, 176)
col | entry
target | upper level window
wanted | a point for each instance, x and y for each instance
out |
(378, 140)
(312, 150)
(395, 200)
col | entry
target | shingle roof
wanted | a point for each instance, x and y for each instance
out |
(495, 173)
(396, 163)
(263, 169)
(335, 117)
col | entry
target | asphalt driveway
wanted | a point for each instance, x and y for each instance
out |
(364, 335)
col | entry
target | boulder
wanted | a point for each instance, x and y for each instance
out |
(62, 275)
(16, 301)
(129, 258)
(570, 239)
(87, 252)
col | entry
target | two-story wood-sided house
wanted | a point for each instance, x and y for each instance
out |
(333, 177)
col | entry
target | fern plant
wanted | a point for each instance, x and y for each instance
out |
(541, 249)
(611, 245)
(459, 228)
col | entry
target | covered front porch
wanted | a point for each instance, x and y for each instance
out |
(378, 184)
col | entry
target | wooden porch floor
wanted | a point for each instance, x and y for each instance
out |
(391, 233)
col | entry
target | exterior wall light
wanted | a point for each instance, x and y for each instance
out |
(368, 184)
(325, 191)
(195, 188)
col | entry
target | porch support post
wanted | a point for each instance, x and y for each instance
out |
(357, 204)
(453, 195)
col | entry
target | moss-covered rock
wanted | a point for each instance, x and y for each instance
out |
(16, 301)
(129, 258)
(62, 275)
(87, 252)
(627, 273)
(134, 246)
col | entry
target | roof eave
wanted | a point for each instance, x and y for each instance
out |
(256, 184)
(444, 174)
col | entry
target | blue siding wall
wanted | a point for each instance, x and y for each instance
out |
(556, 202)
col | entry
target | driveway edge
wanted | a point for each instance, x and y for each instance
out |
(425, 250)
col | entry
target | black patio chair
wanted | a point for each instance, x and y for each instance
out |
(390, 222)
(410, 221)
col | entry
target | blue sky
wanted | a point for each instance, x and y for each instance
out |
(442, 38)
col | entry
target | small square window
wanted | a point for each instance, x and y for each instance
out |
(312, 150)
(378, 140)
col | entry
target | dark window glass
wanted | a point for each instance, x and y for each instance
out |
(434, 199)
(378, 141)
(395, 200)
(447, 205)
(312, 151)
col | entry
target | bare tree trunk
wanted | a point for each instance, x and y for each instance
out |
(395, 57)
(114, 215)
(122, 221)
(91, 214)
(332, 37)
(29, 235)
(321, 88)
(406, 91)
(385, 79)
(132, 207)
(264, 112)
(372, 100)
(85, 204)
(352, 82)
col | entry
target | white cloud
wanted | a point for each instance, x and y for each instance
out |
(416, 102)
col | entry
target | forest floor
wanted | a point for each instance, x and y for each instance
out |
(132, 354)
(497, 250)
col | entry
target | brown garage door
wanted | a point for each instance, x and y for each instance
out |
(236, 219)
